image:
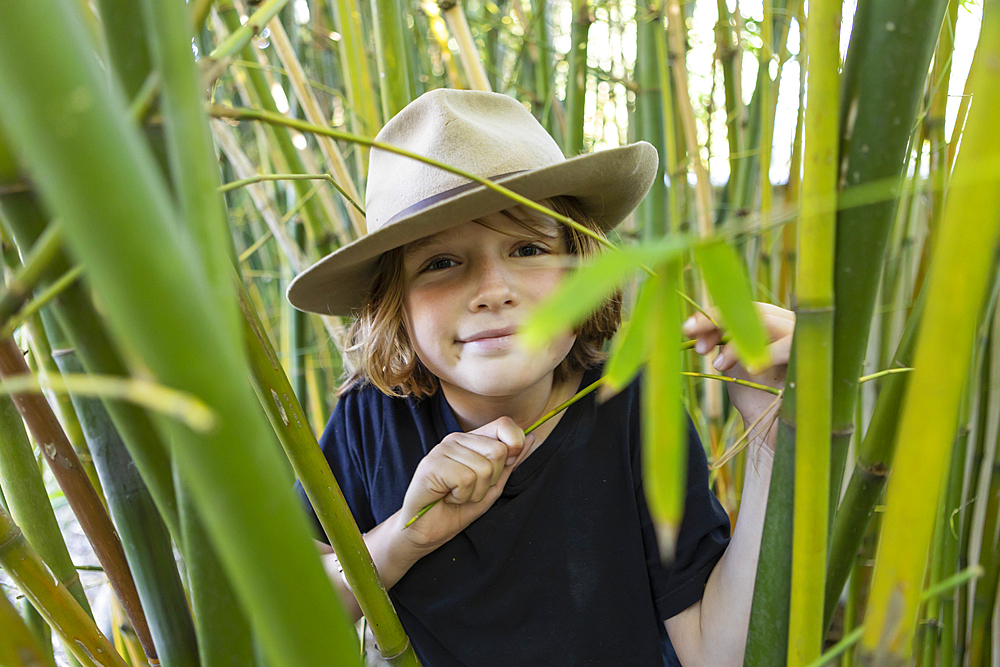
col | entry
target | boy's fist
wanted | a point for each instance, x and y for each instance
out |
(467, 473)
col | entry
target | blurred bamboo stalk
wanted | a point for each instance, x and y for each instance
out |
(576, 82)
(475, 73)
(968, 238)
(63, 613)
(18, 645)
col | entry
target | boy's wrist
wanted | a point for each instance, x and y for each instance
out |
(392, 551)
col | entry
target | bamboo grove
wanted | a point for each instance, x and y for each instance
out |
(156, 199)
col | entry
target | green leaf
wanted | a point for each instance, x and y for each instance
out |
(664, 449)
(630, 347)
(727, 282)
(583, 290)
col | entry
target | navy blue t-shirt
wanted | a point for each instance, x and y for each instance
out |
(563, 569)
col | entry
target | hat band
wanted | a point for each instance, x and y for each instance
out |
(451, 192)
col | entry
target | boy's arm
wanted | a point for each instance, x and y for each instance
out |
(713, 631)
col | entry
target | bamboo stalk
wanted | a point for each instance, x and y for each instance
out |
(966, 244)
(360, 93)
(814, 334)
(87, 507)
(394, 78)
(649, 105)
(261, 91)
(154, 300)
(576, 82)
(18, 644)
(331, 152)
(874, 112)
(289, 422)
(144, 535)
(475, 73)
(63, 613)
(28, 502)
(224, 635)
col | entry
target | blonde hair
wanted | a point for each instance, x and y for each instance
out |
(377, 348)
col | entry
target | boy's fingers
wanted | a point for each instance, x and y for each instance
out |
(506, 431)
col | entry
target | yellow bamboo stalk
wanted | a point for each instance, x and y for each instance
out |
(59, 609)
(314, 113)
(814, 335)
(467, 51)
(966, 249)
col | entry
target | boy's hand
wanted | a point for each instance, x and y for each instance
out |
(467, 472)
(751, 403)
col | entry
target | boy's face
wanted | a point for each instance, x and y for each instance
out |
(469, 288)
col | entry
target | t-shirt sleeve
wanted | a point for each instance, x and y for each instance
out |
(342, 445)
(701, 541)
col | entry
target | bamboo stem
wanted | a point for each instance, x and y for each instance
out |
(18, 645)
(61, 611)
(66, 467)
(467, 51)
(966, 245)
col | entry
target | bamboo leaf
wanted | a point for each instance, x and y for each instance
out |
(664, 447)
(582, 291)
(630, 346)
(727, 282)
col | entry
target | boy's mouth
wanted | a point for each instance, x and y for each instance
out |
(488, 334)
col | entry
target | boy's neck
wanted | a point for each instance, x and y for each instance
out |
(525, 408)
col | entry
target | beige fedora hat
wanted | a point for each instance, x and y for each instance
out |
(486, 134)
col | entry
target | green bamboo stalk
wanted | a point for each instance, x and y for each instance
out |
(82, 497)
(649, 106)
(541, 56)
(967, 241)
(767, 636)
(948, 539)
(576, 82)
(194, 172)
(18, 645)
(670, 130)
(314, 114)
(261, 92)
(41, 630)
(727, 53)
(63, 613)
(86, 331)
(871, 469)
(980, 645)
(360, 92)
(882, 114)
(225, 637)
(144, 535)
(299, 442)
(391, 55)
(154, 299)
(28, 502)
(814, 332)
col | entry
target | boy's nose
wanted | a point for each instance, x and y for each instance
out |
(493, 289)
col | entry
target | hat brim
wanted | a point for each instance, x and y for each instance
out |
(609, 184)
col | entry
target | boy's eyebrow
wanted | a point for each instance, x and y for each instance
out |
(420, 244)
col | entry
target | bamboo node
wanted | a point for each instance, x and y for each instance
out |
(875, 470)
(403, 650)
(6, 541)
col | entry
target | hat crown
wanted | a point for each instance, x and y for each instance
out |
(486, 134)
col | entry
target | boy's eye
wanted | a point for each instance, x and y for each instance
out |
(529, 250)
(438, 263)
